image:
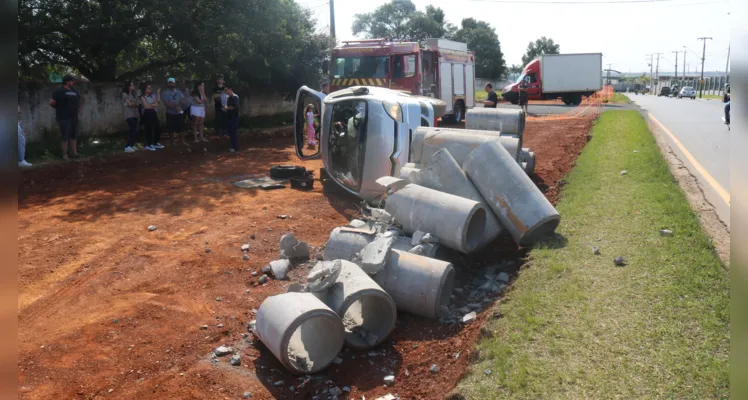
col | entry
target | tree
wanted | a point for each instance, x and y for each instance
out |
(515, 69)
(399, 20)
(539, 47)
(254, 42)
(482, 39)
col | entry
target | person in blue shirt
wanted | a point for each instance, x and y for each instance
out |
(21, 144)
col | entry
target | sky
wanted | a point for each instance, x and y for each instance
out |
(624, 33)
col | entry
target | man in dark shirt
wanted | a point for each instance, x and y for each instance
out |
(232, 117)
(492, 99)
(220, 114)
(68, 103)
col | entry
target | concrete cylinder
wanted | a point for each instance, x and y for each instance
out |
(530, 164)
(520, 206)
(406, 173)
(302, 332)
(344, 245)
(445, 175)
(457, 222)
(459, 142)
(368, 312)
(507, 121)
(418, 284)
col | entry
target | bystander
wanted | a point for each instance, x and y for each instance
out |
(232, 117)
(21, 144)
(173, 97)
(67, 103)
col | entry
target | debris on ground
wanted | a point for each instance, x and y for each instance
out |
(595, 250)
(222, 351)
(619, 261)
(152, 228)
(666, 232)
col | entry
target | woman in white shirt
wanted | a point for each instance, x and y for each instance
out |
(198, 111)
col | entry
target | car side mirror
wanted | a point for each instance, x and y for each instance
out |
(308, 129)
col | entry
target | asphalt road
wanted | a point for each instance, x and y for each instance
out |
(701, 140)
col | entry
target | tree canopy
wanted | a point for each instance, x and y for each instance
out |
(539, 47)
(253, 42)
(482, 39)
(400, 20)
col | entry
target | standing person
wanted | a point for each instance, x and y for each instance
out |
(131, 112)
(492, 98)
(310, 133)
(21, 144)
(68, 104)
(174, 114)
(219, 105)
(186, 104)
(198, 111)
(232, 117)
(726, 100)
(150, 118)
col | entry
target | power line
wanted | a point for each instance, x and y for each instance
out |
(586, 2)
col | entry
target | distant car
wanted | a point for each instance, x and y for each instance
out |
(664, 91)
(687, 91)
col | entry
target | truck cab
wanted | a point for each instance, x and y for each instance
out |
(364, 133)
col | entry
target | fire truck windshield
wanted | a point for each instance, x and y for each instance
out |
(361, 67)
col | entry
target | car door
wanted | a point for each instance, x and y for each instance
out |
(305, 97)
(533, 86)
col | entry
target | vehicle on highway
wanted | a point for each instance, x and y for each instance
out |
(664, 91)
(365, 133)
(552, 76)
(442, 68)
(687, 91)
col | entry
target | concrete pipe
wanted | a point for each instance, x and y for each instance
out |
(457, 222)
(419, 285)
(344, 245)
(459, 142)
(431, 250)
(530, 164)
(520, 206)
(407, 173)
(368, 312)
(302, 332)
(507, 121)
(445, 175)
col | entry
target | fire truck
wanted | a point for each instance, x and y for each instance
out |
(443, 69)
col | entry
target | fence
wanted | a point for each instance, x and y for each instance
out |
(102, 112)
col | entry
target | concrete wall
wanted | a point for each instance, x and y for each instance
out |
(103, 111)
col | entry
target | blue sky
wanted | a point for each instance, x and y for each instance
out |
(624, 33)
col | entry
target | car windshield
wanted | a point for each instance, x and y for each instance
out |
(521, 78)
(687, 88)
(361, 67)
(346, 142)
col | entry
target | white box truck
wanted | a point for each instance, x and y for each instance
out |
(565, 76)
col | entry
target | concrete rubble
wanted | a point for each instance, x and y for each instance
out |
(462, 190)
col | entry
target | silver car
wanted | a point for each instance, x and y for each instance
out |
(364, 133)
(687, 91)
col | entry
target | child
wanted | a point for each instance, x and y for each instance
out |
(310, 133)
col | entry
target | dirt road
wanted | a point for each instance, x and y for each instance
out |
(107, 309)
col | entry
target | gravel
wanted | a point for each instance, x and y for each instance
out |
(152, 228)
(263, 279)
(235, 360)
(469, 317)
(434, 368)
(619, 261)
(595, 250)
(222, 351)
(389, 379)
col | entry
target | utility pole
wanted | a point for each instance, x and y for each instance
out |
(657, 69)
(684, 62)
(676, 64)
(332, 20)
(703, 57)
(608, 78)
(727, 64)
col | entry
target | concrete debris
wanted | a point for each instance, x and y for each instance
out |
(346, 389)
(666, 232)
(203, 327)
(387, 396)
(152, 228)
(278, 383)
(503, 277)
(335, 391)
(295, 288)
(323, 275)
(624, 172)
(282, 216)
(356, 223)
(418, 250)
(434, 368)
(235, 360)
(375, 255)
(254, 273)
(636, 151)
(245, 247)
(389, 379)
(219, 298)
(245, 257)
(417, 238)
(280, 268)
(247, 395)
(469, 317)
(487, 371)
(263, 279)
(345, 244)
(595, 250)
(380, 215)
(292, 249)
(266, 269)
(222, 351)
(337, 360)
(391, 184)
(619, 261)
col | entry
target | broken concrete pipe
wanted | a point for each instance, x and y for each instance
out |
(303, 333)
(457, 222)
(445, 175)
(459, 142)
(418, 285)
(291, 248)
(406, 173)
(507, 121)
(345, 243)
(520, 206)
(431, 250)
(368, 312)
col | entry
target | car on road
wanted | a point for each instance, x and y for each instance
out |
(664, 91)
(687, 91)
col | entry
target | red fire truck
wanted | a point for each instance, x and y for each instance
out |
(443, 69)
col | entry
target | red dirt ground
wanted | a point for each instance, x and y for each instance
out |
(107, 309)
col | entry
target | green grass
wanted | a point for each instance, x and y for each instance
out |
(575, 326)
(710, 96)
(619, 98)
(481, 95)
